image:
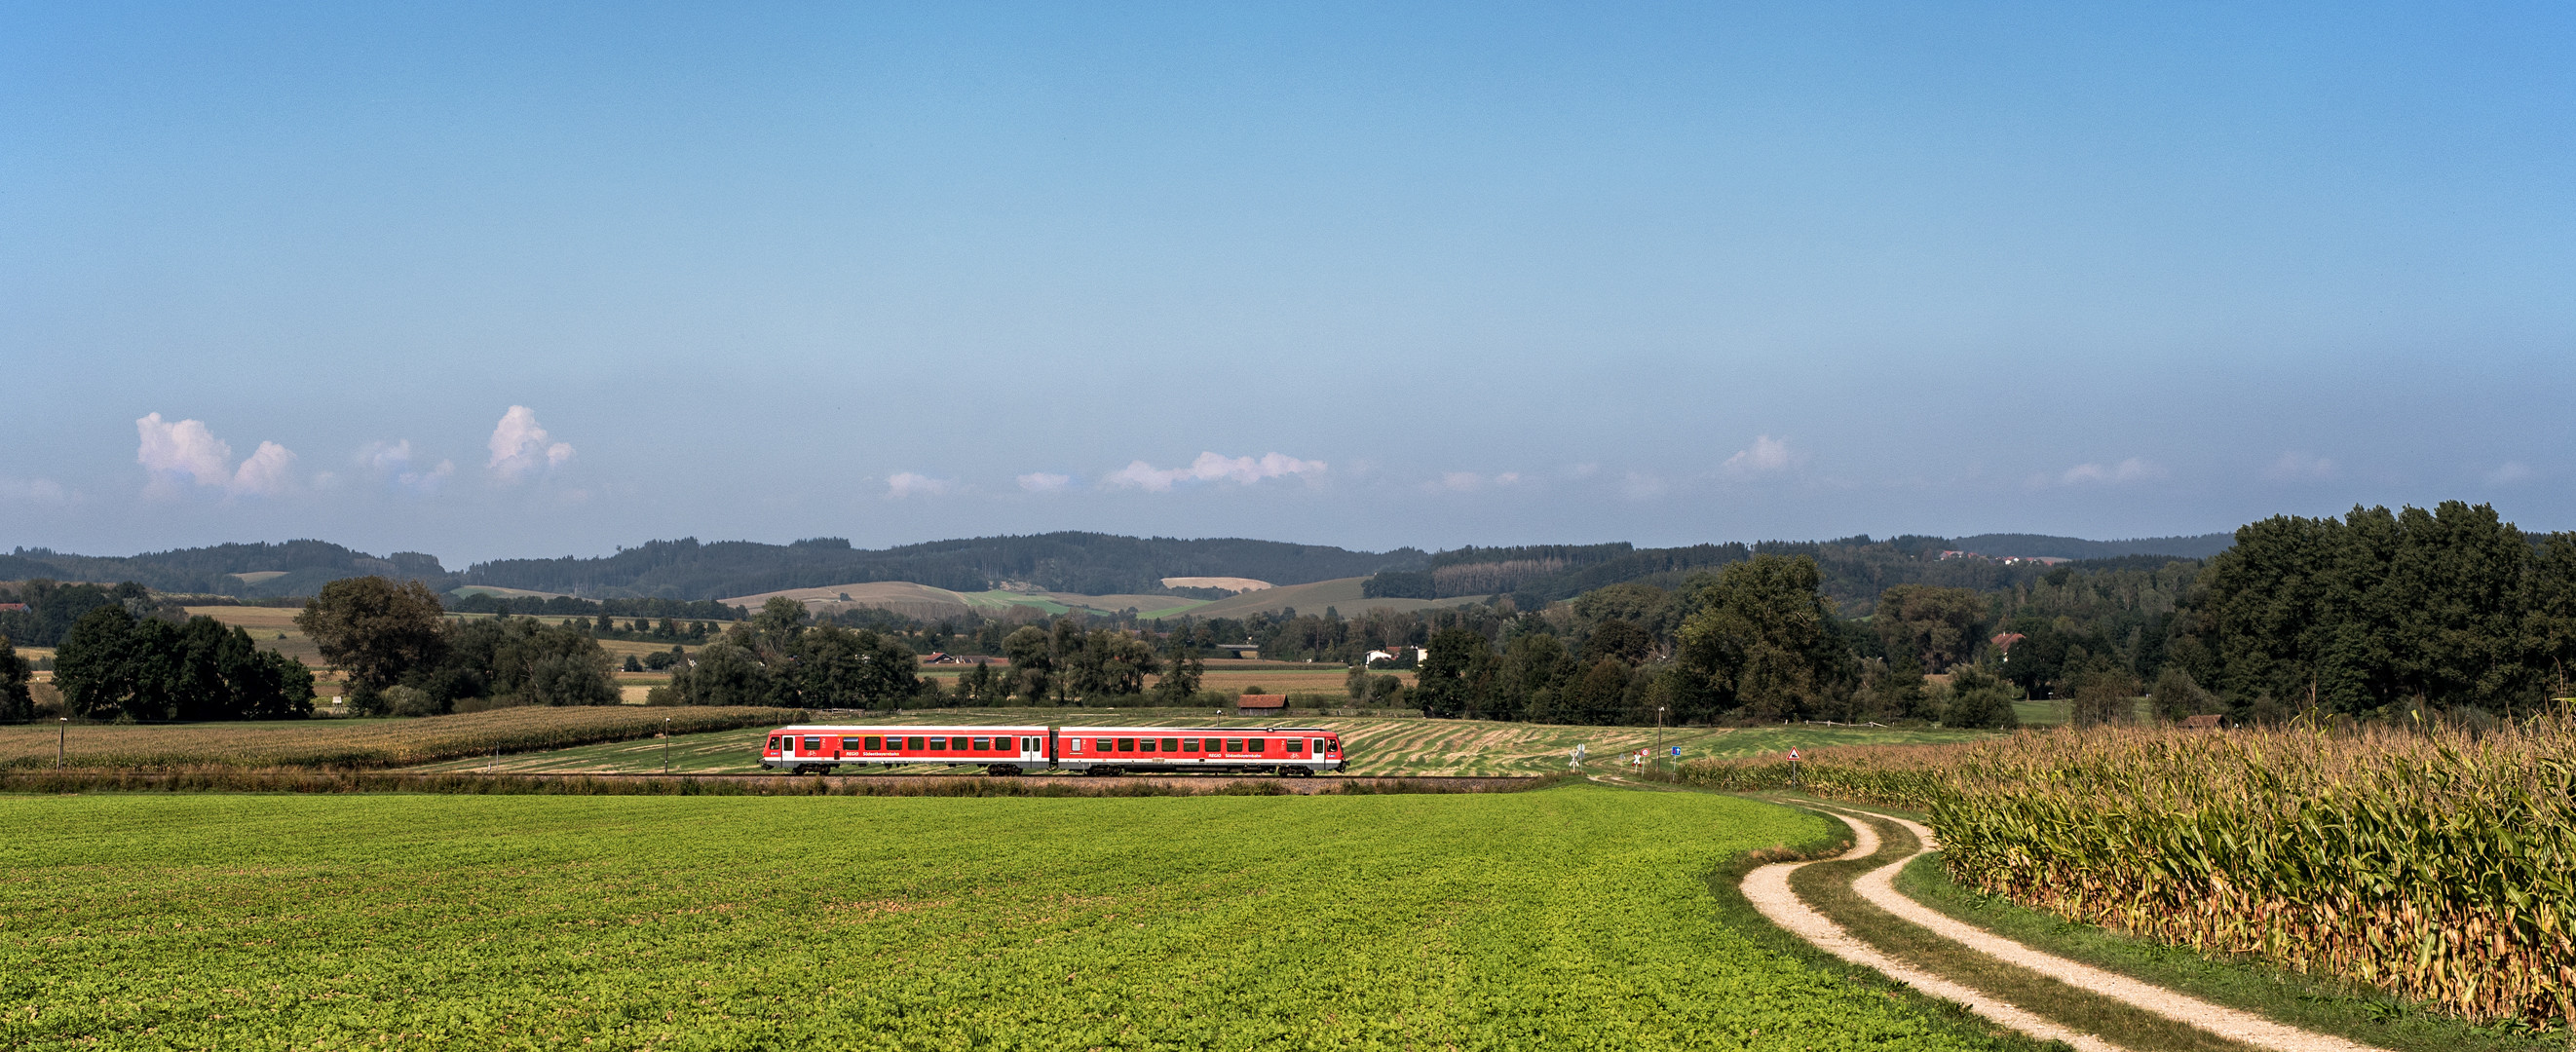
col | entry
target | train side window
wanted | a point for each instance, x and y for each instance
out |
(1191, 744)
(1296, 746)
(1171, 745)
(983, 745)
(876, 742)
(1214, 745)
(813, 745)
(1145, 745)
(1028, 745)
(1100, 745)
(1234, 745)
(939, 745)
(1077, 744)
(913, 743)
(1255, 745)
(1126, 745)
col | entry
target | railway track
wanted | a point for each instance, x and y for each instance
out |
(741, 783)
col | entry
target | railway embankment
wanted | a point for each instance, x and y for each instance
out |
(227, 780)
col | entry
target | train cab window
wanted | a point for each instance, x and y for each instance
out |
(1171, 745)
(1233, 745)
(1126, 745)
(939, 745)
(1295, 746)
(913, 743)
(876, 742)
(813, 745)
(983, 745)
(773, 745)
(1255, 746)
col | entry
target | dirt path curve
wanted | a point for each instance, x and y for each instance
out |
(1878, 887)
(1768, 889)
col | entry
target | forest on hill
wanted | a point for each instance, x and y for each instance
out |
(1855, 569)
(687, 569)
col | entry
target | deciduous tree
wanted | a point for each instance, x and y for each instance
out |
(375, 630)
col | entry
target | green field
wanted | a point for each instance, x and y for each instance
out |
(1374, 745)
(1574, 918)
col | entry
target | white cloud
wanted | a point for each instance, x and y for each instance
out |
(1044, 482)
(395, 461)
(2295, 465)
(184, 451)
(2133, 469)
(2508, 473)
(520, 447)
(1768, 456)
(1212, 467)
(265, 472)
(908, 483)
(33, 491)
(172, 451)
(1469, 481)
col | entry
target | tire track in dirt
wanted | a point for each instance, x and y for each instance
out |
(1878, 887)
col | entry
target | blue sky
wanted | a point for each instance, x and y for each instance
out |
(526, 280)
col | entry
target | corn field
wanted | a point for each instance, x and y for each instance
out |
(2437, 865)
(358, 744)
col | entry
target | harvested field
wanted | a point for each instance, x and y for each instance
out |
(929, 603)
(1342, 595)
(359, 743)
(265, 624)
(1231, 584)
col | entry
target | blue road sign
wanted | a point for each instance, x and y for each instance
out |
(1677, 750)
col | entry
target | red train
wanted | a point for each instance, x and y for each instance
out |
(816, 749)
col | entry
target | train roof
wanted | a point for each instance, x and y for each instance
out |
(906, 728)
(1198, 730)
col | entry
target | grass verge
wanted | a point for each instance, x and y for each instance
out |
(1726, 886)
(1827, 887)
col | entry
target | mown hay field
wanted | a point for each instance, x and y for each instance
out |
(1374, 745)
(356, 743)
(2438, 865)
(1577, 917)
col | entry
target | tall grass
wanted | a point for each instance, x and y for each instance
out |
(2436, 864)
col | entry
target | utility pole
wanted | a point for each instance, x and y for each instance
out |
(61, 736)
(666, 745)
(1659, 735)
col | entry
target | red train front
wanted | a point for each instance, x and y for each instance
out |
(814, 749)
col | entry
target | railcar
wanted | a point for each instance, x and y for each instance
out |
(1205, 750)
(818, 748)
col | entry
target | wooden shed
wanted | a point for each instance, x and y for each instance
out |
(1255, 704)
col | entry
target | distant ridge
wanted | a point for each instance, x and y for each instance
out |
(1999, 545)
(1072, 563)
